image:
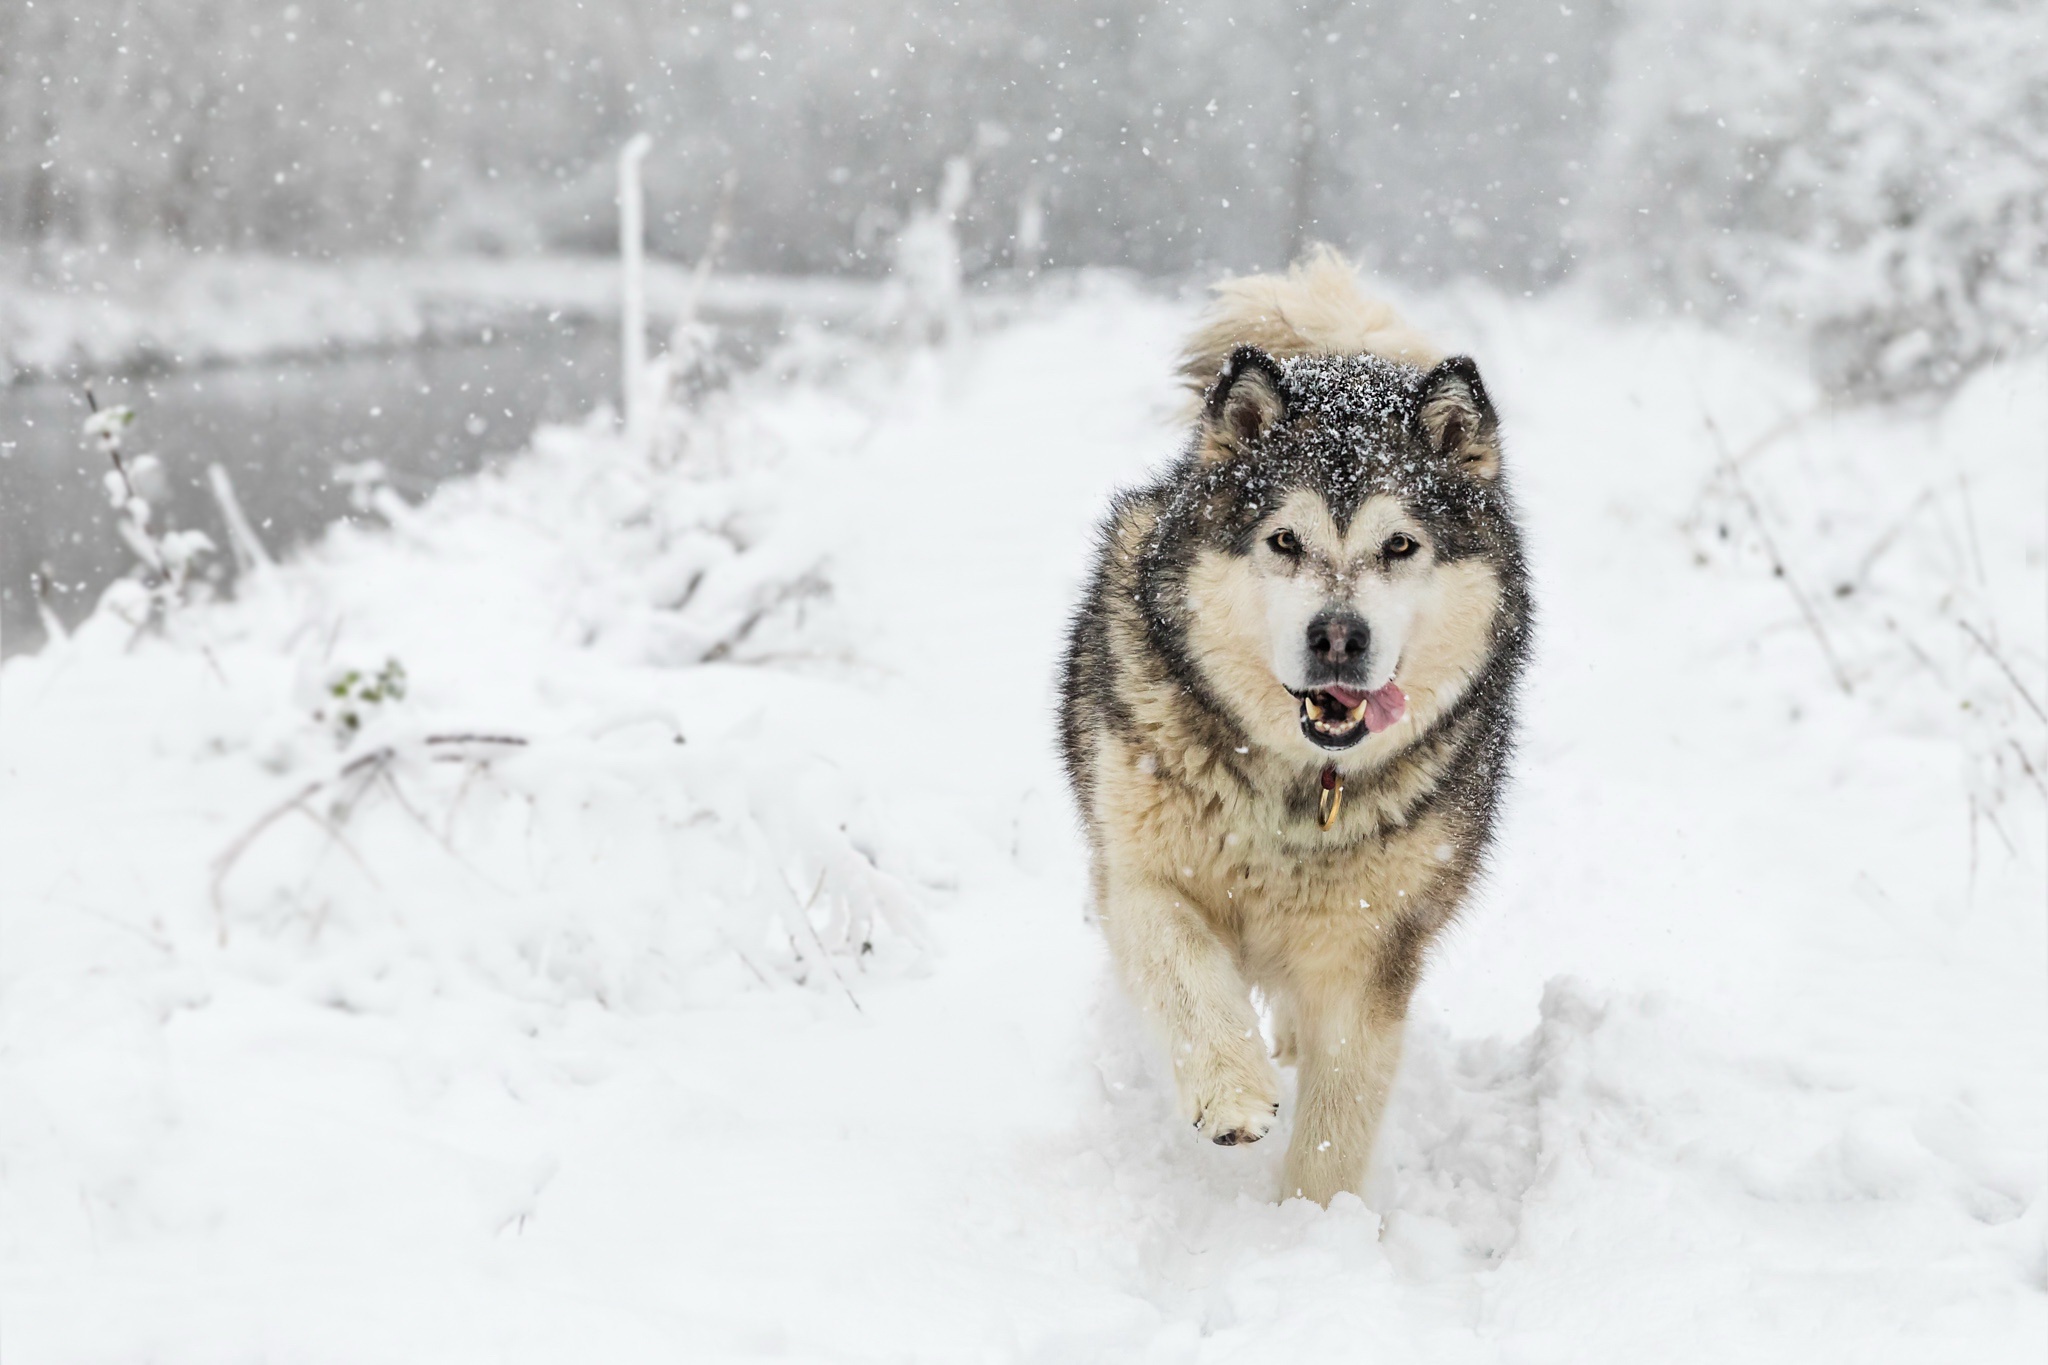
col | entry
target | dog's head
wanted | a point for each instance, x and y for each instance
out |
(1343, 534)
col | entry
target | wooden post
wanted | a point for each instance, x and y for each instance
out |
(633, 289)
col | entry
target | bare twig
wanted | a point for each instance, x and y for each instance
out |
(447, 844)
(372, 764)
(744, 959)
(225, 861)
(803, 912)
(1991, 818)
(1920, 655)
(2006, 669)
(2027, 765)
(331, 827)
(1778, 566)
(1770, 436)
(1780, 429)
(807, 587)
(1882, 544)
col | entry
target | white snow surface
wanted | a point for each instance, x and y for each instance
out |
(535, 1054)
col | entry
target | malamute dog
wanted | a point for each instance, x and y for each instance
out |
(1287, 705)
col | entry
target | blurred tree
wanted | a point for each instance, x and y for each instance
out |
(1162, 136)
(1873, 172)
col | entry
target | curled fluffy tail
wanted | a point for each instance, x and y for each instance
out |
(1316, 308)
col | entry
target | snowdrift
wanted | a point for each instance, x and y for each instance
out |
(686, 968)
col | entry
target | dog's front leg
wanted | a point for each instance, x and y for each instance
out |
(1179, 970)
(1349, 1051)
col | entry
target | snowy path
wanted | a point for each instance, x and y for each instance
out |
(1731, 1062)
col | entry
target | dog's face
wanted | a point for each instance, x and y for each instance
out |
(1345, 576)
(1339, 603)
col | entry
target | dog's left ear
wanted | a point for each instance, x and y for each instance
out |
(1244, 403)
(1455, 418)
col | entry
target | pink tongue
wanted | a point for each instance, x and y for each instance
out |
(1382, 708)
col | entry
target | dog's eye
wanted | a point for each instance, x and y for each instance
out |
(1400, 547)
(1285, 542)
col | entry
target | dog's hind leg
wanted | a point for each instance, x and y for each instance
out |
(1286, 1033)
(1349, 1050)
(1177, 967)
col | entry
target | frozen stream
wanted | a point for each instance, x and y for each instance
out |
(294, 435)
(287, 433)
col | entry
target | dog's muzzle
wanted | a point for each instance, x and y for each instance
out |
(1338, 717)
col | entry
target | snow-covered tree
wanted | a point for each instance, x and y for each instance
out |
(1156, 134)
(1874, 171)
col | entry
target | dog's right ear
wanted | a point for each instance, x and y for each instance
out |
(1246, 400)
(1456, 419)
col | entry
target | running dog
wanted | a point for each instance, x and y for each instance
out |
(1288, 703)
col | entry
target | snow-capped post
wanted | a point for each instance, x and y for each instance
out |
(633, 288)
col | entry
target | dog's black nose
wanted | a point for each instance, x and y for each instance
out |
(1338, 639)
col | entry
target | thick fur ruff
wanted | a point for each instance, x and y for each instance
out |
(1340, 475)
(1316, 308)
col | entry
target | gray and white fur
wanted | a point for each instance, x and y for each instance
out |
(1324, 596)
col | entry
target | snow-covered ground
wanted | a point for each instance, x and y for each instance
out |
(747, 1009)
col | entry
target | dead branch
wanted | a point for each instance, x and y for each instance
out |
(1778, 566)
(2006, 669)
(1883, 544)
(1769, 437)
(803, 912)
(2027, 765)
(807, 587)
(370, 765)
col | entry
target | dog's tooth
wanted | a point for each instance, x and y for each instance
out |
(1315, 712)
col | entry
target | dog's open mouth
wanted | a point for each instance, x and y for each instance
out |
(1338, 717)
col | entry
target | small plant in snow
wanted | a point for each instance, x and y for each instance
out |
(166, 558)
(352, 697)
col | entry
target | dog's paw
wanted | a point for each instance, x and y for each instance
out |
(1232, 1103)
(1228, 1126)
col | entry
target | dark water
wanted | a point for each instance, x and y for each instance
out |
(284, 432)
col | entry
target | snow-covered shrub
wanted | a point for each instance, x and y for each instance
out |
(166, 559)
(1913, 568)
(625, 869)
(569, 805)
(1872, 171)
